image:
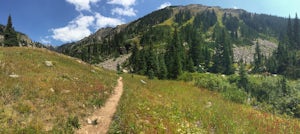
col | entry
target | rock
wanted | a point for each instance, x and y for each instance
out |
(52, 90)
(89, 121)
(49, 63)
(208, 104)
(14, 76)
(66, 91)
(143, 82)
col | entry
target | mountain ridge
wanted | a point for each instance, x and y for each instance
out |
(120, 39)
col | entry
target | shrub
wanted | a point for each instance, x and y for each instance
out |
(186, 77)
(235, 94)
(73, 122)
(211, 81)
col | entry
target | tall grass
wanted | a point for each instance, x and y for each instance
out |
(180, 107)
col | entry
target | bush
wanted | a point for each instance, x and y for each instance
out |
(186, 77)
(211, 82)
(235, 94)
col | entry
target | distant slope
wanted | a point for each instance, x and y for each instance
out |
(43, 91)
(23, 39)
(156, 28)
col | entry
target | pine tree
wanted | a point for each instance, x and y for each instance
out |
(163, 72)
(228, 54)
(282, 58)
(272, 65)
(223, 57)
(243, 78)
(296, 32)
(207, 56)
(290, 33)
(152, 62)
(134, 59)
(258, 59)
(174, 57)
(190, 65)
(10, 35)
(196, 49)
(218, 55)
(142, 63)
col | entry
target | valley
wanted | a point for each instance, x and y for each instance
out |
(179, 69)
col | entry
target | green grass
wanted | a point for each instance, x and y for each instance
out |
(180, 107)
(44, 98)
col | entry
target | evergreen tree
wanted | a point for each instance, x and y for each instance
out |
(142, 63)
(190, 65)
(296, 32)
(10, 35)
(152, 63)
(243, 78)
(282, 57)
(290, 33)
(174, 56)
(272, 65)
(151, 74)
(258, 59)
(196, 48)
(207, 56)
(223, 57)
(134, 59)
(218, 55)
(163, 72)
(228, 54)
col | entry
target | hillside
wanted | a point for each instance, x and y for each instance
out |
(155, 28)
(46, 91)
(176, 107)
(22, 39)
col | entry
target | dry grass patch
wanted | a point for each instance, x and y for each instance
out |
(45, 97)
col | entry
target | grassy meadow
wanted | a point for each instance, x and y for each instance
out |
(181, 107)
(48, 99)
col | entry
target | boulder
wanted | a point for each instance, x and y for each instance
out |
(49, 63)
(14, 76)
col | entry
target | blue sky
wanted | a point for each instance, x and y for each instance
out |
(60, 21)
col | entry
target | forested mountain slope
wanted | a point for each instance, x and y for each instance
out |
(192, 21)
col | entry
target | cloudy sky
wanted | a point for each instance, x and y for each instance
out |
(60, 21)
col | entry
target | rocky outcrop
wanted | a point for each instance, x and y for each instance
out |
(247, 52)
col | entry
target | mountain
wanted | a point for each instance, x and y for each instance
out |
(243, 27)
(42, 90)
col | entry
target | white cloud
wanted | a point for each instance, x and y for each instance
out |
(103, 21)
(166, 4)
(235, 7)
(125, 3)
(81, 5)
(81, 27)
(45, 40)
(124, 11)
(75, 30)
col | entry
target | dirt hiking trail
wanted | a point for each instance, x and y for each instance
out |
(105, 114)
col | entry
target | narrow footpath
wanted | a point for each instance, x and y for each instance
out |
(105, 114)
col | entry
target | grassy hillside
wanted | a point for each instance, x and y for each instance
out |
(35, 98)
(179, 107)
